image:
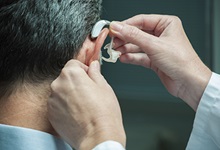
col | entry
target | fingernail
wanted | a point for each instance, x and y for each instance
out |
(95, 65)
(116, 26)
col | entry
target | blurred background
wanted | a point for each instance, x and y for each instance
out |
(153, 119)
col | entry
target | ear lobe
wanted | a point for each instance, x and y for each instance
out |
(98, 45)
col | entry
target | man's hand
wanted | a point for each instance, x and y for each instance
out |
(83, 108)
(160, 43)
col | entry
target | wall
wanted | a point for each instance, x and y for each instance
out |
(216, 35)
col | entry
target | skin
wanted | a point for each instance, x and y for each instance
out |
(77, 106)
(160, 43)
(26, 108)
(83, 108)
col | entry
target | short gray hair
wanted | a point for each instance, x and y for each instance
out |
(39, 36)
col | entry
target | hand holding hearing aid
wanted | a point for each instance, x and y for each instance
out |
(86, 108)
(160, 43)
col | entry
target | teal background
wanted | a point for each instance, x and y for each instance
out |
(153, 119)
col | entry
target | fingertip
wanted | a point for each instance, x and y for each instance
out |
(116, 26)
(118, 42)
(124, 58)
(94, 69)
(94, 72)
(95, 65)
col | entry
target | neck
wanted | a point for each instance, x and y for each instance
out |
(27, 107)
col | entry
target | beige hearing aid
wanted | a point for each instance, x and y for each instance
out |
(113, 55)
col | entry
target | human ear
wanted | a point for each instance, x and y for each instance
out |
(91, 48)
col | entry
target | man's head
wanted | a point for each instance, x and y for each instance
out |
(37, 38)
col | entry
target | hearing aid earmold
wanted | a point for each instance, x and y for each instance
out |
(113, 55)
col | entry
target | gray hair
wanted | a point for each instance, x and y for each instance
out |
(39, 36)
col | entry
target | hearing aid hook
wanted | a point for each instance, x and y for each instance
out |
(96, 30)
(114, 55)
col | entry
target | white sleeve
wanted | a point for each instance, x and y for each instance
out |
(206, 128)
(109, 145)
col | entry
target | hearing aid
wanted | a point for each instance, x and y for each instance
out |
(113, 55)
(97, 28)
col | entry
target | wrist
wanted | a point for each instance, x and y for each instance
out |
(194, 84)
(99, 134)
